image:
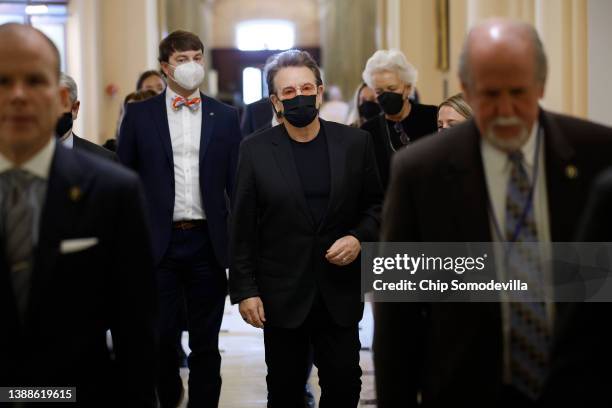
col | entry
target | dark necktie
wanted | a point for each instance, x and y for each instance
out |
(529, 329)
(18, 225)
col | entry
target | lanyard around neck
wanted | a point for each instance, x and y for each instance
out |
(528, 203)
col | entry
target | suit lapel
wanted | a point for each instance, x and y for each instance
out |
(465, 178)
(66, 190)
(160, 116)
(286, 164)
(562, 179)
(561, 185)
(208, 124)
(76, 141)
(337, 164)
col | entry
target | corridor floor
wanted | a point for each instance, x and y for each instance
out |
(244, 370)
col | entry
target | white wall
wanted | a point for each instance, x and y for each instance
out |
(83, 57)
(600, 61)
(108, 42)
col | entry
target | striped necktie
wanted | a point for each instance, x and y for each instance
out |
(18, 226)
(529, 329)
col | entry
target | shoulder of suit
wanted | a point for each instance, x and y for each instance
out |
(81, 143)
(262, 135)
(564, 121)
(102, 169)
(217, 106)
(373, 124)
(90, 165)
(345, 130)
(144, 107)
(584, 136)
(439, 147)
(425, 108)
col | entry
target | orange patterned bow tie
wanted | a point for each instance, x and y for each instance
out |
(193, 104)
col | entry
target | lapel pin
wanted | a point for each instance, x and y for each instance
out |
(75, 193)
(571, 171)
(212, 113)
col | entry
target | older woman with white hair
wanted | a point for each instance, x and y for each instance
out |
(393, 79)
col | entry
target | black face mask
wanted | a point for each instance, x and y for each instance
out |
(391, 102)
(368, 110)
(64, 124)
(300, 110)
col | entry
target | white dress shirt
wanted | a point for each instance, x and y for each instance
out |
(39, 166)
(497, 167)
(185, 134)
(68, 139)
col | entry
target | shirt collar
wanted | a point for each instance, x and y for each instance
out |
(39, 165)
(68, 139)
(529, 148)
(170, 94)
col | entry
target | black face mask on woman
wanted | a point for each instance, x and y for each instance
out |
(64, 124)
(368, 109)
(391, 102)
(300, 110)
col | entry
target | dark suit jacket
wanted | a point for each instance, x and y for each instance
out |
(76, 297)
(453, 353)
(256, 115)
(145, 146)
(424, 122)
(277, 251)
(84, 144)
(596, 225)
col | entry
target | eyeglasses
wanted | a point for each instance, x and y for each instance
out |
(289, 92)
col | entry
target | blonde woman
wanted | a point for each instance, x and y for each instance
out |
(453, 111)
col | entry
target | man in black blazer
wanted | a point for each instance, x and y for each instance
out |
(64, 125)
(307, 193)
(184, 146)
(447, 189)
(256, 116)
(75, 254)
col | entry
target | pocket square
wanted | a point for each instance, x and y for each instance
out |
(69, 246)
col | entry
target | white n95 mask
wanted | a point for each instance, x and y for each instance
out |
(189, 75)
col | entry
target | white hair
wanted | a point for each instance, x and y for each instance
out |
(66, 81)
(390, 61)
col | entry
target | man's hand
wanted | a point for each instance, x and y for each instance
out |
(343, 251)
(252, 311)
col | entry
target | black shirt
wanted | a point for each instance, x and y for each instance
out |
(312, 163)
(421, 121)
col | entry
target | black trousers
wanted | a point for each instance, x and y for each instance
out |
(512, 398)
(336, 355)
(189, 268)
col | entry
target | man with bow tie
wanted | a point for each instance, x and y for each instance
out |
(184, 146)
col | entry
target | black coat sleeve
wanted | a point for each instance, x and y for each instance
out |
(243, 230)
(397, 346)
(135, 306)
(367, 229)
(596, 223)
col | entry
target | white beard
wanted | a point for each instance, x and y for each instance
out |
(507, 144)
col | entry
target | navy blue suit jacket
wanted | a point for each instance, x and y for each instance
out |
(75, 297)
(145, 146)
